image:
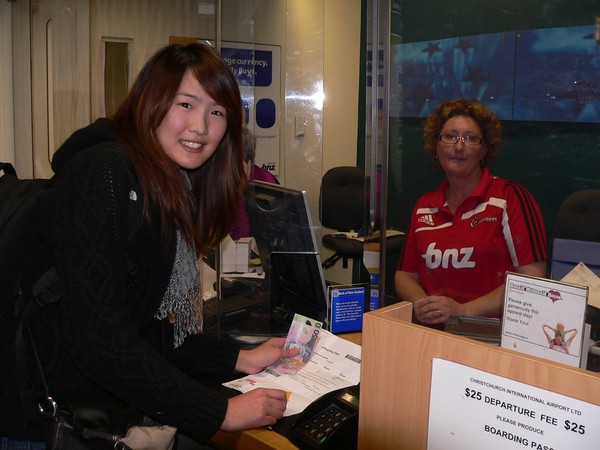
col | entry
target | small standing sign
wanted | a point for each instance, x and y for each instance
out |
(348, 304)
(544, 318)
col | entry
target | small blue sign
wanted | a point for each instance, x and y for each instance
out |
(347, 307)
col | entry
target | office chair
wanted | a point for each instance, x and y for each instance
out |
(341, 207)
(579, 216)
(577, 233)
(577, 238)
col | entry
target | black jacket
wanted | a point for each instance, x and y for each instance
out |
(100, 342)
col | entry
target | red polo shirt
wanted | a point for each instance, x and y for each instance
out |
(467, 254)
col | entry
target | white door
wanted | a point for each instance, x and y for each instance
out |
(60, 80)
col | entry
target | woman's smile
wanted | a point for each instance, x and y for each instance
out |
(194, 126)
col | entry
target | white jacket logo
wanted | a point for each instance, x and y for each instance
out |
(458, 258)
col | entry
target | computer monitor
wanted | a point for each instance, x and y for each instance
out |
(281, 224)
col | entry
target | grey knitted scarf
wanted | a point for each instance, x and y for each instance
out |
(182, 303)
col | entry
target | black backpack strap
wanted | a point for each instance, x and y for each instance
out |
(37, 392)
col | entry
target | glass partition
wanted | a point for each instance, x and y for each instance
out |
(535, 67)
(76, 59)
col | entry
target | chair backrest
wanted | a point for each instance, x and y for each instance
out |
(577, 233)
(577, 238)
(342, 198)
(579, 216)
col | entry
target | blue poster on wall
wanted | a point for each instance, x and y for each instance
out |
(251, 67)
(558, 75)
(429, 73)
(547, 75)
(257, 70)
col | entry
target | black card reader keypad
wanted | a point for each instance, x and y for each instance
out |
(329, 423)
(325, 423)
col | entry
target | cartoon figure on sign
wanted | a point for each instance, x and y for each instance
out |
(560, 339)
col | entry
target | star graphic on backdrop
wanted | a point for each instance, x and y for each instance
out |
(432, 49)
(420, 94)
(475, 80)
(475, 76)
(464, 45)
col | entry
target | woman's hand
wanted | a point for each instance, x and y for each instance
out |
(257, 408)
(437, 309)
(256, 359)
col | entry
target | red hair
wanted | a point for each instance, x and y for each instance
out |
(486, 119)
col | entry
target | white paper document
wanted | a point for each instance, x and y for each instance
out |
(582, 275)
(325, 363)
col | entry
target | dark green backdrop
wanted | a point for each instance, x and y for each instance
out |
(551, 159)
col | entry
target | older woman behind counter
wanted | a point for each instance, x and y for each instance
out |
(475, 227)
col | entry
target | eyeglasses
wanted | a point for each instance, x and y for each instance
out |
(469, 140)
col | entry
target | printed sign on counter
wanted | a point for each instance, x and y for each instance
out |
(348, 304)
(472, 409)
(544, 318)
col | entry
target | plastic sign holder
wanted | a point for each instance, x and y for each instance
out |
(347, 303)
(544, 318)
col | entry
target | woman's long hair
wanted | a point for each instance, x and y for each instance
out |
(219, 182)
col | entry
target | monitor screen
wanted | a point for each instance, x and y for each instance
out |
(281, 224)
